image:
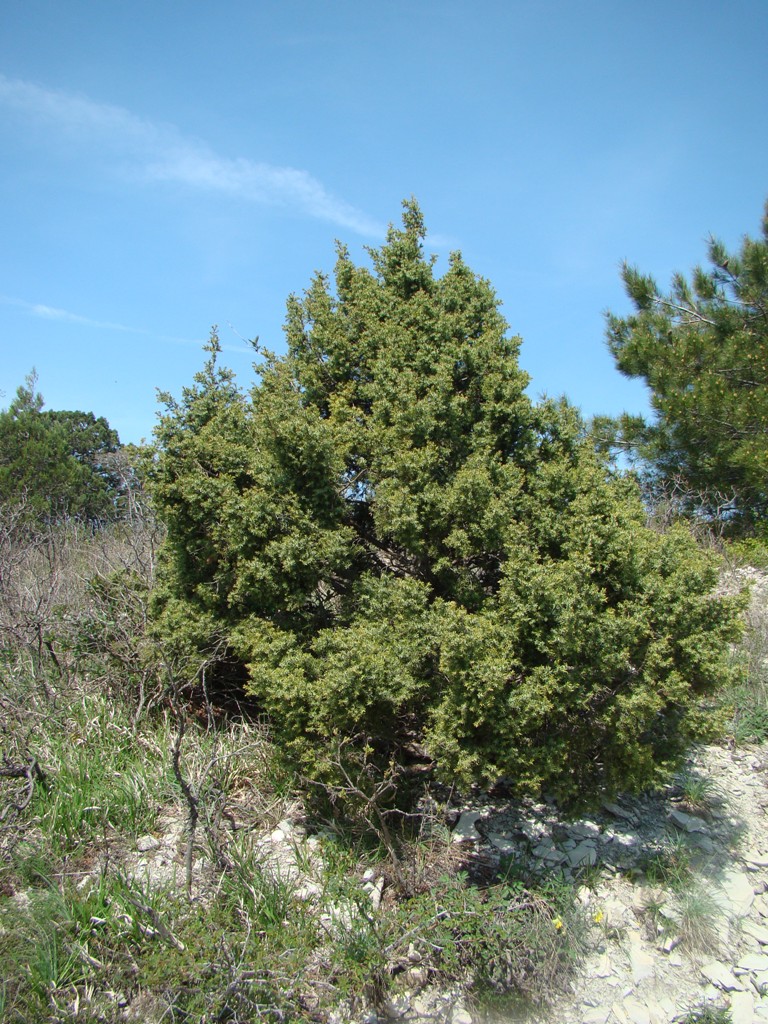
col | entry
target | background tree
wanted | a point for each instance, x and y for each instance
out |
(58, 461)
(405, 553)
(702, 350)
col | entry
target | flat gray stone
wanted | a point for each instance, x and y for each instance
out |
(530, 828)
(614, 913)
(641, 963)
(736, 894)
(620, 1013)
(585, 830)
(596, 1015)
(554, 857)
(398, 1006)
(742, 1008)
(144, 844)
(583, 855)
(502, 843)
(720, 976)
(604, 967)
(660, 1011)
(465, 831)
(548, 852)
(461, 1016)
(703, 843)
(687, 822)
(637, 1012)
(619, 812)
(754, 962)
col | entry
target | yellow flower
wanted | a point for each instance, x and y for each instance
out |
(558, 923)
(598, 917)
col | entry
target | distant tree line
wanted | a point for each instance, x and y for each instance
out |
(60, 463)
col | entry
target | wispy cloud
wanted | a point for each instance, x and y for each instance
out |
(53, 313)
(157, 152)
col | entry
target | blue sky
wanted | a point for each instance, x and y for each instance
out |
(168, 166)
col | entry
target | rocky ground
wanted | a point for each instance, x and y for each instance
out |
(675, 886)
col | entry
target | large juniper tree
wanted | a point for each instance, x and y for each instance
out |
(399, 546)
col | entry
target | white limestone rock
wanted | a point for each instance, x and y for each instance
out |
(637, 1012)
(465, 831)
(460, 1015)
(397, 1007)
(596, 1015)
(502, 843)
(585, 830)
(619, 1013)
(641, 963)
(754, 962)
(604, 967)
(742, 1008)
(736, 894)
(720, 976)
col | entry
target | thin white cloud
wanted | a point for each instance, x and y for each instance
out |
(52, 313)
(72, 114)
(157, 152)
(44, 312)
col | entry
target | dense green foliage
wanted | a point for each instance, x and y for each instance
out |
(703, 352)
(57, 463)
(406, 553)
